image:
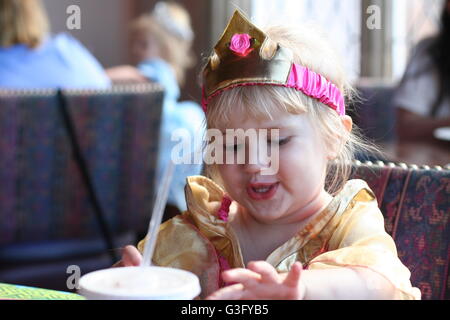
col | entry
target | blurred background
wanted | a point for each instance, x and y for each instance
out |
(375, 38)
(380, 54)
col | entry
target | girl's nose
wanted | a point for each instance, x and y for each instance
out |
(255, 162)
(253, 168)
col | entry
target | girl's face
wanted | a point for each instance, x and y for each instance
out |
(143, 47)
(296, 188)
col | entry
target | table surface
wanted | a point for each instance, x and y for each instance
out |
(431, 153)
(17, 292)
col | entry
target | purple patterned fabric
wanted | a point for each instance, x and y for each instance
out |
(42, 195)
(416, 207)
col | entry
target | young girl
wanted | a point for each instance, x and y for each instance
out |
(304, 232)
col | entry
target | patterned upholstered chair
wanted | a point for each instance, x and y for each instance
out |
(416, 205)
(47, 217)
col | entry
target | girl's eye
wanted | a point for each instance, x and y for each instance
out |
(279, 142)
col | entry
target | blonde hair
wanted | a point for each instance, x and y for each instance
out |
(177, 51)
(311, 49)
(22, 22)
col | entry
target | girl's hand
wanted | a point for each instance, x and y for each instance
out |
(131, 257)
(261, 281)
(125, 73)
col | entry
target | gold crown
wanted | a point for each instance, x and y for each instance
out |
(263, 62)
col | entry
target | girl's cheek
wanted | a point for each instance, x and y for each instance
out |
(290, 157)
(228, 172)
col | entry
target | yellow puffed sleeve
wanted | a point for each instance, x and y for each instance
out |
(360, 240)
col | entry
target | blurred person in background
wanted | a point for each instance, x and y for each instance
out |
(423, 96)
(161, 46)
(31, 58)
(165, 35)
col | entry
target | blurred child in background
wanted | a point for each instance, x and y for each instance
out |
(161, 46)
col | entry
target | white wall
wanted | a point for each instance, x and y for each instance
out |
(341, 20)
(414, 20)
(103, 26)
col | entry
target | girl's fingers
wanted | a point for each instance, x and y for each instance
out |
(260, 280)
(293, 276)
(131, 257)
(244, 276)
(266, 270)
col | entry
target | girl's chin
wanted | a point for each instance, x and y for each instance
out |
(264, 213)
(268, 202)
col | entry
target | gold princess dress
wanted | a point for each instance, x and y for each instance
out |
(348, 232)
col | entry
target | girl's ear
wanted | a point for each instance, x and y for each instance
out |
(341, 139)
(347, 122)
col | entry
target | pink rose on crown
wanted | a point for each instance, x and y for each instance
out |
(241, 44)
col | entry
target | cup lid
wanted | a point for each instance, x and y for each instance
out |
(140, 283)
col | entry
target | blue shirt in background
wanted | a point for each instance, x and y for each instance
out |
(60, 62)
(185, 115)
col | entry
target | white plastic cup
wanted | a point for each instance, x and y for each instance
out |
(140, 283)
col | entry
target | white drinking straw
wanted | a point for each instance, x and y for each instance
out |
(155, 221)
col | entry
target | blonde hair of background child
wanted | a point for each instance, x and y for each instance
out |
(173, 49)
(311, 49)
(22, 22)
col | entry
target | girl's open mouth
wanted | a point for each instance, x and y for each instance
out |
(262, 191)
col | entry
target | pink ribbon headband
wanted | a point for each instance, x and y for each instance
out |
(301, 79)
